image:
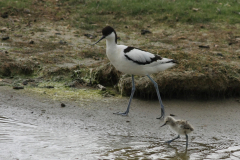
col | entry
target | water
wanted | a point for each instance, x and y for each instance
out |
(25, 141)
(33, 130)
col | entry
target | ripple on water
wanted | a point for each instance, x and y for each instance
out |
(20, 140)
(151, 149)
(25, 141)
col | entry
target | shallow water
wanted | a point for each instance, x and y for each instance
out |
(33, 129)
(25, 141)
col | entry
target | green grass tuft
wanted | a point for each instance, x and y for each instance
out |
(17, 4)
(189, 11)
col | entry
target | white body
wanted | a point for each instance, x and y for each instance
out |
(116, 55)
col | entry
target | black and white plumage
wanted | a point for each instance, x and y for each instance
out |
(181, 127)
(134, 61)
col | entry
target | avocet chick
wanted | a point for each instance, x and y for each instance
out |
(181, 127)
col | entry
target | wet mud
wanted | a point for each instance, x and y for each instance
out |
(36, 127)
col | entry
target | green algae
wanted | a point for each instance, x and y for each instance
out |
(60, 92)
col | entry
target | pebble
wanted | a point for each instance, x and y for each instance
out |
(62, 42)
(18, 87)
(201, 46)
(49, 87)
(5, 38)
(89, 36)
(25, 82)
(4, 15)
(58, 33)
(145, 31)
(31, 42)
(220, 54)
(4, 29)
(101, 87)
(63, 105)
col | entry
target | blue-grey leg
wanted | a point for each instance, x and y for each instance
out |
(129, 103)
(159, 97)
(186, 141)
(172, 139)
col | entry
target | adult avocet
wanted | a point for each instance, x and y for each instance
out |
(134, 61)
(181, 127)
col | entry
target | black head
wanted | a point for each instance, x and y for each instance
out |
(107, 31)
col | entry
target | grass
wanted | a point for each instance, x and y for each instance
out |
(178, 28)
(17, 4)
(185, 11)
(86, 14)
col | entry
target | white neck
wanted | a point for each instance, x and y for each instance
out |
(110, 41)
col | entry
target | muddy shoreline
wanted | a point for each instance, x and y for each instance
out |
(54, 51)
(216, 126)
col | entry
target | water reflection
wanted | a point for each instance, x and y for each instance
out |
(179, 155)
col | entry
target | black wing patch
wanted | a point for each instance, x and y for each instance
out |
(128, 49)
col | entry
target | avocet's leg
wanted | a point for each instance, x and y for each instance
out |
(186, 141)
(129, 103)
(172, 139)
(159, 97)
